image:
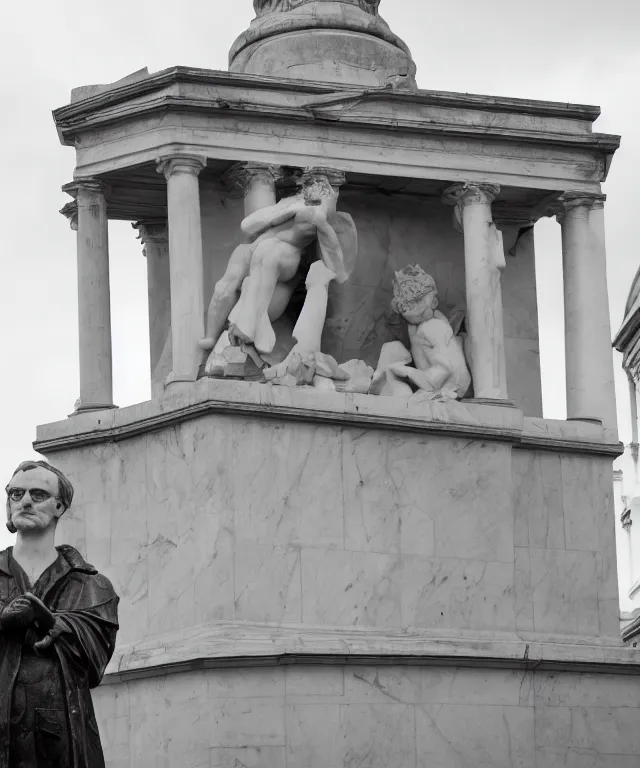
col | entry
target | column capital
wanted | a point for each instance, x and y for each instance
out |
(334, 176)
(90, 185)
(151, 231)
(70, 211)
(569, 200)
(470, 193)
(178, 163)
(239, 176)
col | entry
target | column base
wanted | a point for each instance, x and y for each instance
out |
(501, 401)
(88, 407)
(585, 418)
(177, 381)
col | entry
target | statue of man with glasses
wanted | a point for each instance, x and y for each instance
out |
(58, 624)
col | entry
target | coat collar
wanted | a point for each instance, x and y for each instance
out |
(73, 558)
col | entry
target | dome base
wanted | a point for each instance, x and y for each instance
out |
(324, 41)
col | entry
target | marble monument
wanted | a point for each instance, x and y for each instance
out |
(312, 574)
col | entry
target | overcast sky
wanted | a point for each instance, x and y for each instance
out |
(581, 51)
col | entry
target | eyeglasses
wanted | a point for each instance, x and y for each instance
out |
(37, 494)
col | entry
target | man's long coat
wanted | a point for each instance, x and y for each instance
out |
(86, 606)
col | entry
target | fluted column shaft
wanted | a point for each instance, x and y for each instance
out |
(588, 354)
(484, 262)
(185, 264)
(94, 298)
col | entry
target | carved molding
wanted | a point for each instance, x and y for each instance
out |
(236, 644)
(570, 200)
(237, 179)
(469, 421)
(70, 211)
(91, 185)
(92, 190)
(173, 164)
(151, 232)
(471, 193)
(264, 7)
(334, 176)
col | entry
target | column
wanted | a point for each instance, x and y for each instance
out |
(94, 298)
(154, 236)
(484, 262)
(185, 264)
(256, 182)
(588, 354)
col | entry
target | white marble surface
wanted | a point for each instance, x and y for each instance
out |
(345, 527)
(325, 41)
(588, 357)
(373, 717)
(185, 262)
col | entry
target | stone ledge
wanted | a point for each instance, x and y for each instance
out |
(238, 644)
(141, 82)
(250, 399)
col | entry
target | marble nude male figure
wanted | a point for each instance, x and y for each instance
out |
(265, 269)
(58, 625)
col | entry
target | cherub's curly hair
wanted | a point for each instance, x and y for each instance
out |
(409, 286)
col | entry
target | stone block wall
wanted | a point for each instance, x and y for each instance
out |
(371, 717)
(394, 559)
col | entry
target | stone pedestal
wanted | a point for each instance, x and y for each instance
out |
(313, 581)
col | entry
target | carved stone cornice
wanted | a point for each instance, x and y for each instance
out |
(151, 232)
(237, 179)
(177, 163)
(471, 193)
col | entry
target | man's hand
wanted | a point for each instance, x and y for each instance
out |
(49, 639)
(19, 614)
(43, 616)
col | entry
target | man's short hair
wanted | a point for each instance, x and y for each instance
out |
(65, 489)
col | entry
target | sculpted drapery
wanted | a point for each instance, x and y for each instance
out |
(263, 7)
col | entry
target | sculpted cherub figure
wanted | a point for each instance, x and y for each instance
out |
(437, 354)
(265, 269)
